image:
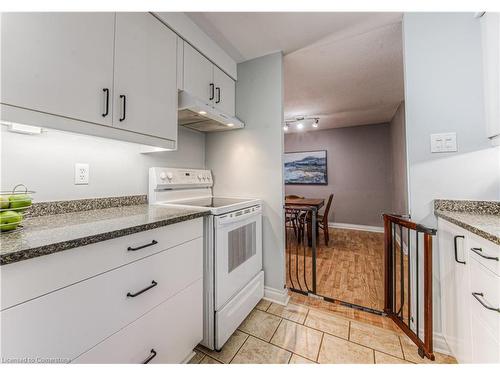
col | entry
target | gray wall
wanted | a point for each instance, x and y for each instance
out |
(399, 162)
(248, 162)
(443, 89)
(359, 171)
(46, 163)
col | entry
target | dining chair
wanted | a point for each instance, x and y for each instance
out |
(292, 196)
(323, 220)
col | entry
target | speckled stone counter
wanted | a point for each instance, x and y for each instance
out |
(479, 217)
(43, 235)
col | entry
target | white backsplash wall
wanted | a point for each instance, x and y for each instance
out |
(46, 163)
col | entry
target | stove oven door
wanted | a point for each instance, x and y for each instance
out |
(238, 251)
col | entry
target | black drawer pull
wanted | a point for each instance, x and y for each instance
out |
(479, 252)
(477, 295)
(455, 243)
(106, 106)
(151, 356)
(212, 94)
(124, 107)
(154, 242)
(217, 89)
(153, 284)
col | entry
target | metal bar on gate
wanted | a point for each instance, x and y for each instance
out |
(401, 272)
(408, 247)
(428, 292)
(387, 265)
(313, 240)
(305, 258)
(417, 293)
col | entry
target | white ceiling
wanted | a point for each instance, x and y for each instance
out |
(346, 68)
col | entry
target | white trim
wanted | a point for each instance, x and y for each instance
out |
(440, 344)
(280, 297)
(366, 228)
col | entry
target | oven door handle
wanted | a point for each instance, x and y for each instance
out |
(225, 220)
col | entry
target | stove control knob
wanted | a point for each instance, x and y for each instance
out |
(163, 175)
(170, 176)
(199, 177)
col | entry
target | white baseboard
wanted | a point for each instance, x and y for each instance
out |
(366, 228)
(280, 297)
(440, 344)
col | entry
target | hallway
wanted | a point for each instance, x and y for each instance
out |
(350, 269)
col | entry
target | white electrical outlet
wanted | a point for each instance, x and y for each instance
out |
(82, 172)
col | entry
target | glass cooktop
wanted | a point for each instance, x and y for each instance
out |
(211, 202)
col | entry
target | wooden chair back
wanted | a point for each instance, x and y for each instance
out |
(327, 209)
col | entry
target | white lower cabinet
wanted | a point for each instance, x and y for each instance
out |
(154, 301)
(149, 337)
(470, 294)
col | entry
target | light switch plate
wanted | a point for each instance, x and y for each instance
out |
(444, 142)
(82, 172)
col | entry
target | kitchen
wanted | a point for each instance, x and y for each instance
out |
(143, 146)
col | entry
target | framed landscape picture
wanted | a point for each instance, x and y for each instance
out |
(306, 168)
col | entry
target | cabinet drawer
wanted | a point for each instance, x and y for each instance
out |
(172, 330)
(486, 282)
(483, 251)
(485, 345)
(58, 270)
(65, 323)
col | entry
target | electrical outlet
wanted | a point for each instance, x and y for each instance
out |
(444, 142)
(82, 172)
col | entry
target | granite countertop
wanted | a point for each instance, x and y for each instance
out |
(43, 235)
(479, 217)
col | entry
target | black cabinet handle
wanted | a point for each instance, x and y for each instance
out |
(154, 242)
(153, 284)
(124, 107)
(151, 356)
(218, 94)
(479, 252)
(106, 105)
(212, 94)
(477, 295)
(456, 255)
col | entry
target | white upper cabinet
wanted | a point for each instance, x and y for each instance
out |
(490, 32)
(198, 75)
(145, 80)
(224, 92)
(59, 63)
(207, 82)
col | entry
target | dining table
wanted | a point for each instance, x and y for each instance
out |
(306, 202)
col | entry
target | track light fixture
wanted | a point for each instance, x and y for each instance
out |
(301, 123)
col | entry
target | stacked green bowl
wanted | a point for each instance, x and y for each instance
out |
(12, 205)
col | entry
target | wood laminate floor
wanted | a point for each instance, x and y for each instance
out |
(350, 269)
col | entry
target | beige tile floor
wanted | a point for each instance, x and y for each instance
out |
(301, 334)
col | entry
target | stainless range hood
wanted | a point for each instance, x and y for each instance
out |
(195, 114)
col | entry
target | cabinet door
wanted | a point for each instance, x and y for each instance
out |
(145, 80)
(58, 63)
(455, 290)
(198, 75)
(224, 92)
(490, 31)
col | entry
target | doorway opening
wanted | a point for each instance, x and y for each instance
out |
(344, 161)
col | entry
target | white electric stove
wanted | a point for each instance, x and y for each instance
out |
(233, 275)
